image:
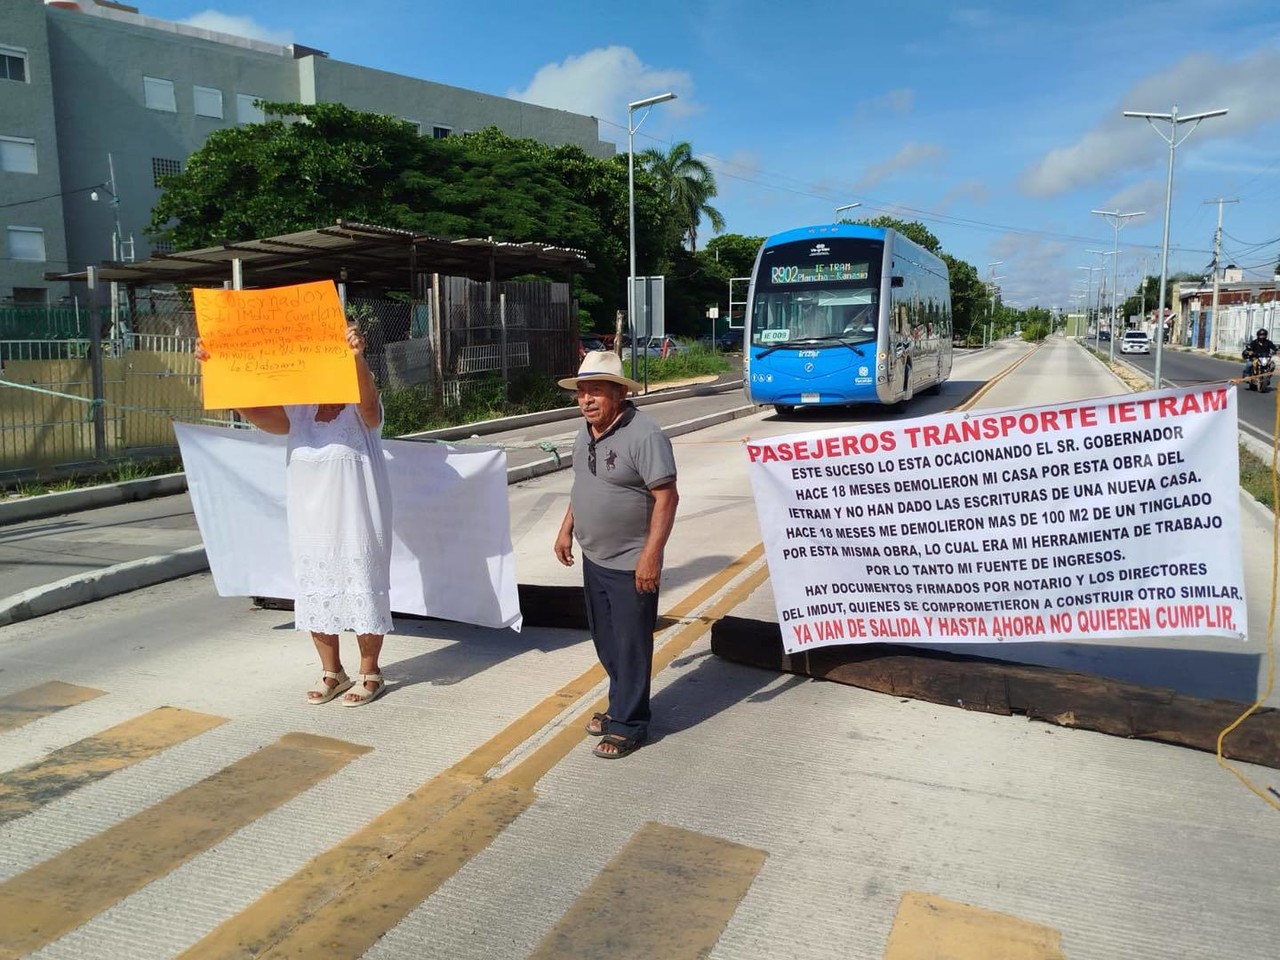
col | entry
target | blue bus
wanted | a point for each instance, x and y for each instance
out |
(845, 314)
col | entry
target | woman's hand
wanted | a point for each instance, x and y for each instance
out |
(200, 352)
(355, 340)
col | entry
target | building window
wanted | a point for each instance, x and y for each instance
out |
(208, 102)
(158, 94)
(162, 246)
(30, 296)
(439, 133)
(17, 155)
(161, 168)
(13, 64)
(26, 243)
(247, 109)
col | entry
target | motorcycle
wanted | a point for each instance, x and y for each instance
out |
(1263, 370)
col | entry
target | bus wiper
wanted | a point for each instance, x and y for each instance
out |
(794, 344)
(842, 340)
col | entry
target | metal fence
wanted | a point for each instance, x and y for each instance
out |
(65, 404)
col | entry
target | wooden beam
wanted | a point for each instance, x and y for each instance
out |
(1062, 697)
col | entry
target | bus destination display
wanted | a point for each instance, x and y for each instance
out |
(818, 272)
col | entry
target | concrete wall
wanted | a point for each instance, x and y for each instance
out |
(27, 112)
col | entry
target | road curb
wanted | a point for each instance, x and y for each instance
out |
(89, 498)
(108, 582)
(135, 574)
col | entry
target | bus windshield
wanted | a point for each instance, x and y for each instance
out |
(791, 315)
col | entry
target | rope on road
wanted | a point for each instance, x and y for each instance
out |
(1274, 798)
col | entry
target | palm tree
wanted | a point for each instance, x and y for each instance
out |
(688, 184)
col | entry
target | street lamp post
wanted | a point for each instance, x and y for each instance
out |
(1117, 220)
(632, 127)
(1102, 285)
(847, 206)
(991, 270)
(1088, 301)
(1173, 141)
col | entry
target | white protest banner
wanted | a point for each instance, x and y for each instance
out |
(1115, 517)
(451, 553)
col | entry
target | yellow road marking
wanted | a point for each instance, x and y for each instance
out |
(340, 903)
(668, 893)
(27, 705)
(59, 895)
(933, 928)
(990, 384)
(92, 758)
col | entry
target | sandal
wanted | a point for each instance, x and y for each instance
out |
(326, 692)
(360, 694)
(623, 745)
(596, 726)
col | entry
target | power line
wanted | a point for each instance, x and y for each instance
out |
(51, 196)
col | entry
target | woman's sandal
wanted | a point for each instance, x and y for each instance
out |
(622, 745)
(359, 695)
(326, 692)
(596, 725)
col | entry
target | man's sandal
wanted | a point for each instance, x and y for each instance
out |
(359, 695)
(596, 726)
(622, 745)
(325, 692)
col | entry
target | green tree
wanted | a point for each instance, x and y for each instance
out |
(911, 229)
(688, 185)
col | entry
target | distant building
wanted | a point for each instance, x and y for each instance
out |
(1193, 303)
(84, 81)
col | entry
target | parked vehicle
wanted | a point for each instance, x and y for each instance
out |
(664, 347)
(1135, 341)
(588, 344)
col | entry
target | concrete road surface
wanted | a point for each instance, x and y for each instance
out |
(167, 793)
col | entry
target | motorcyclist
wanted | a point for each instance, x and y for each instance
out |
(1259, 346)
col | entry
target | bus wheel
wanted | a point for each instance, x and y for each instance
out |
(783, 409)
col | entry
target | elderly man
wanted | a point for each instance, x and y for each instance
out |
(621, 510)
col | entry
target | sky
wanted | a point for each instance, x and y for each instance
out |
(998, 125)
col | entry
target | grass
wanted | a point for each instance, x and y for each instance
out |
(1257, 478)
(413, 409)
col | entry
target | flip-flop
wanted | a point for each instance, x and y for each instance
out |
(624, 746)
(327, 692)
(362, 693)
(599, 719)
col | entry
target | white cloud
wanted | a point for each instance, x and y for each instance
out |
(899, 100)
(1199, 83)
(601, 82)
(1147, 196)
(238, 27)
(1032, 268)
(974, 189)
(910, 155)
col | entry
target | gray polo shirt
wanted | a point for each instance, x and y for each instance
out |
(612, 505)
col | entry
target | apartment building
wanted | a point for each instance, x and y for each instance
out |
(98, 102)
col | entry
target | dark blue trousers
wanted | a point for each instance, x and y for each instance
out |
(622, 621)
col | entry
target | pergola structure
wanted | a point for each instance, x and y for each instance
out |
(349, 253)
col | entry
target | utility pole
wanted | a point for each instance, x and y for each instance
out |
(1217, 272)
(1102, 265)
(1117, 220)
(1142, 289)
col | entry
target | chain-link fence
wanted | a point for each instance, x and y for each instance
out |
(68, 399)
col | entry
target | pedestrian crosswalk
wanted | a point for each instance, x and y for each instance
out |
(347, 897)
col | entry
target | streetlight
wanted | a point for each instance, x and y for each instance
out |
(1118, 221)
(991, 269)
(632, 127)
(847, 206)
(1102, 285)
(1173, 141)
(1088, 299)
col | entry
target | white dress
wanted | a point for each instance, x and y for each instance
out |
(339, 504)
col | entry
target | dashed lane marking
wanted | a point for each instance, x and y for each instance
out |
(691, 881)
(18, 709)
(40, 905)
(933, 928)
(93, 758)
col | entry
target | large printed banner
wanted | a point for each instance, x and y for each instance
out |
(451, 554)
(284, 345)
(1116, 517)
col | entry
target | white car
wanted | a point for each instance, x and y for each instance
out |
(1135, 341)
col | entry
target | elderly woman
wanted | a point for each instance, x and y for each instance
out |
(338, 501)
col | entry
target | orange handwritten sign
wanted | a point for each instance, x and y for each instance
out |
(284, 345)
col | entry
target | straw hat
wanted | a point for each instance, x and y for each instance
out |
(600, 365)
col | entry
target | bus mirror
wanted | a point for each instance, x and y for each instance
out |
(895, 281)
